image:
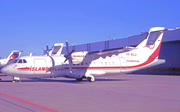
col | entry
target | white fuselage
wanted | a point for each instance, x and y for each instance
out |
(47, 66)
(90, 64)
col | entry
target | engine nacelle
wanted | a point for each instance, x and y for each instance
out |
(78, 57)
(75, 74)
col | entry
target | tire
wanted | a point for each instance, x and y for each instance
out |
(79, 79)
(91, 79)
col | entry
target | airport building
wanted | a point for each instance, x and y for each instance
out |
(170, 50)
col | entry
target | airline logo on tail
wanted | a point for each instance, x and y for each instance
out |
(14, 55)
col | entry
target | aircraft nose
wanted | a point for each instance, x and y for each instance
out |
(4, 70)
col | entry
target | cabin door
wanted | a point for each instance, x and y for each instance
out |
(123, 64)
(40, 66)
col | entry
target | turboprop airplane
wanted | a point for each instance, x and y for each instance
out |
(79, 65)
(13, 55)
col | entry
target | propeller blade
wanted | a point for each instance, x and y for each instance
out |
(70, 65)
(65, 60)
(68, 56)
(47, 50)
(67, 47)
(71, 51)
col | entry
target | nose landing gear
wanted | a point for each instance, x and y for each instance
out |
(16, 79)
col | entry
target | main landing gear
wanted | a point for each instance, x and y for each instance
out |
(80, 79)
(90, 78)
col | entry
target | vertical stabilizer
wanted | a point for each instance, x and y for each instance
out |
(154, 41)
(56, 50)
(14, 54)
(151, 37)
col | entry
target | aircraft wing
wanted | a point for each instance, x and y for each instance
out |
(114, 50)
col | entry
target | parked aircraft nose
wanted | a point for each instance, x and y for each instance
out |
(5, 70)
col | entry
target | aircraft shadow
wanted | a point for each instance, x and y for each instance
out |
(112, 79)
(43, 80)
(3, 75)
(65, 81)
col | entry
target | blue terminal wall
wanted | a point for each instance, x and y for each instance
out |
(170, 50)
(109, 44)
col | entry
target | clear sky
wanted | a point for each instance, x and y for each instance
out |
(29, 25)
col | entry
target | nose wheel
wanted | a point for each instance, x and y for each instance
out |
(16, 79)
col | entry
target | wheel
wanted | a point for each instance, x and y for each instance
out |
(80, 79)
(16, 79)
(91, 79)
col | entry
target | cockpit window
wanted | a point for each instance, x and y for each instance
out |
(24, 61)
(20, 61)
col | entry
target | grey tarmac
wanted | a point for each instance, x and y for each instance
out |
(120, 93)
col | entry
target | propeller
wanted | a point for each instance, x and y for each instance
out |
(47, 50)
(68, 56)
